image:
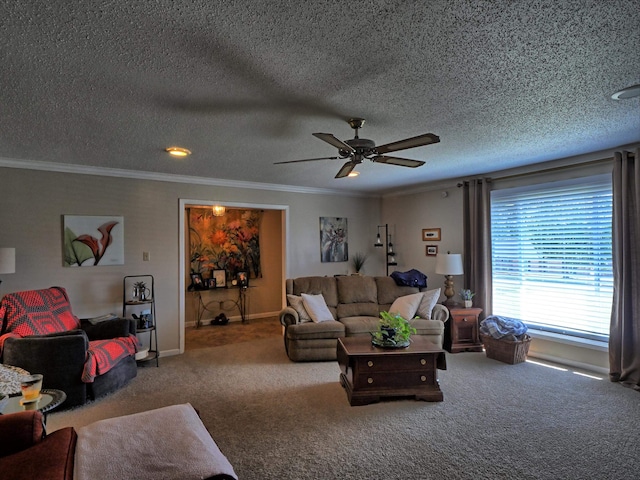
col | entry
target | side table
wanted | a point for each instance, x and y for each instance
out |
(462, 330)
(51, 398)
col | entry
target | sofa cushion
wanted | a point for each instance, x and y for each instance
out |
(312, 330)
(427, 327)
(357, 309)
(429, 300)
(317, 308)
(297, 304)
(388, 291)
(315, 285)
(357, 289)
(360, 325)
(406, 306)
(169, 442)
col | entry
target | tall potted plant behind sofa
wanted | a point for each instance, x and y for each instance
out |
(358, 260)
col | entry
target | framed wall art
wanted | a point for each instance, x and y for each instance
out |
(430, 234)
(93, 240)
(219, 278)
(243, 279)
(196, 281)
(333, 239)
(432, 250)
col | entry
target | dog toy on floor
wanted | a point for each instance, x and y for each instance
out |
(220, 320)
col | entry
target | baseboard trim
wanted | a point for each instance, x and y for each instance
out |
(569, 363)
(235, 318)
(169, 353)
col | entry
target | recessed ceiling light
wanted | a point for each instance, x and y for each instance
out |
(178, 151)
(353, 173)
(629, 92)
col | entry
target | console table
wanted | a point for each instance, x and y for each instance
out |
(240, 302)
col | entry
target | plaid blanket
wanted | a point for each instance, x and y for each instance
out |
(41, 312)
(103, 355)
(504, 328)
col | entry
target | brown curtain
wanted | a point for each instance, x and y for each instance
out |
(624, 337)
(477, 242)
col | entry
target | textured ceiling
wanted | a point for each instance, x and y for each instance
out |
(244, 84)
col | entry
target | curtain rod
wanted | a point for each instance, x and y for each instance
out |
(548, 170)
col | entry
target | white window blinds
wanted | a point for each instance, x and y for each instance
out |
(551, 255)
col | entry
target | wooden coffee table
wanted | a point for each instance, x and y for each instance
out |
(369, 373)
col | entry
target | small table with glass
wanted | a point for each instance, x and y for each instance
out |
(49, 399)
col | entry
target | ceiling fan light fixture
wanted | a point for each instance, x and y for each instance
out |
(354, 173)
(625, 93)
(178, 151)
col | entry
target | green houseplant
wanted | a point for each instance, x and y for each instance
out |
(467, 295)
(395, 331)
(358, 260)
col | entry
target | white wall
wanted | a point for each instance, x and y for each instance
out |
(407, 215)
(34, 201)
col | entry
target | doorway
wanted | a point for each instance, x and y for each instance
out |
(266, 294)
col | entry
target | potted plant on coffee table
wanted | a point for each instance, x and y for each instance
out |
(395, 331)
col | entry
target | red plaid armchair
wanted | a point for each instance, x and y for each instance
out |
(41, 334)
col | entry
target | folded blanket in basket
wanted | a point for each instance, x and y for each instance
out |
(503, 328)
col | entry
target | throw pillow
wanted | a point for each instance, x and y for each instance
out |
(429, 300)
(406, 306)
(317, 307)
(298, 305)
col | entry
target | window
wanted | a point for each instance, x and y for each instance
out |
(551, 255)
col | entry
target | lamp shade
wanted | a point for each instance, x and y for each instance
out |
(449, 264)
(7, 260)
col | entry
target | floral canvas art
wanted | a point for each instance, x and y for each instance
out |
(333, 239)
(93, 240)
(230, 242)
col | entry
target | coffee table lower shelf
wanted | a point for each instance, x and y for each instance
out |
(370, 374)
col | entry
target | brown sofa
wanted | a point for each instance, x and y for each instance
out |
(27, 453)
(169, 442)
(355, 302)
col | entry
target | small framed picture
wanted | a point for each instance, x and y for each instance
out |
(219, 278)
(430, 234)
(432, 250)
(243, 279)
(211, 283)
(196, 281)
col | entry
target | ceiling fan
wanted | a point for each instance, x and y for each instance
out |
(357, 149)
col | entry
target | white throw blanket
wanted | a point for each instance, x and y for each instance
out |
(166, 443)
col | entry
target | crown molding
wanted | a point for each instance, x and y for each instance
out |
(171, 178)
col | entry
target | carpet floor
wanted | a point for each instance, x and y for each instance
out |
(275, 419)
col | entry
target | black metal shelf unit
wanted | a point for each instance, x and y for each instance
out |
(139, 303)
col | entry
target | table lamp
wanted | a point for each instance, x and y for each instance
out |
(449, 264)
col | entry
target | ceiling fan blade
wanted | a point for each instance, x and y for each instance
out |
(330, 139)
(402, 162)
(420, 140)
(307, 160)
(346, 169)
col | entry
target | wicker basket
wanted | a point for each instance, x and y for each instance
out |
(505, 350)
